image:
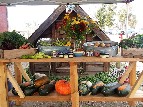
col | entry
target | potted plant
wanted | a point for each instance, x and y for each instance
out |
(12, 43)
(132, 47)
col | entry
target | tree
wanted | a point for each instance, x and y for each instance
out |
(105, 15)
(122, 14)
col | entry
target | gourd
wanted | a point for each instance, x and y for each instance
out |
(123, 90)
(47, 88)
(22, 86)
(30, 90)
(84, 87)
(96, 88)
(63, 87)
(110, 89)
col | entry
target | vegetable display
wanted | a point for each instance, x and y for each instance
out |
(124, 90)
(63, 87)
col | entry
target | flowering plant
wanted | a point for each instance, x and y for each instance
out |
(77, 27)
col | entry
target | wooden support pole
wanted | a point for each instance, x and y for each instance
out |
(3, 86)
(132, 75)
(74, 84)
(126, 74)
(15, 84)
(22, 71)
(136, 86)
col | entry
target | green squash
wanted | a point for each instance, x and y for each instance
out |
(124, 90)
(47, 88)
(96, 88)
(83, 89)
(110, 89)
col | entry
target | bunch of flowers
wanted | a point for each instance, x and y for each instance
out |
(77, 27)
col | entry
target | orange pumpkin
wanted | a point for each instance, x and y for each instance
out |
(63, 87)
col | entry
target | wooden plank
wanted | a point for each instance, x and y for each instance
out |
(3, 86)
(79, 59)
(132, 75)
(15, 84)
(74, 84)
(136, 86)
(22, 71)
(126, 74)
(17, 53)
(106, 66)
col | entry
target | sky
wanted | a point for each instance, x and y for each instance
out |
(27, 19)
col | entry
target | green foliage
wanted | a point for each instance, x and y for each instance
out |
(105, 15)
(134, 42)
(11, 40)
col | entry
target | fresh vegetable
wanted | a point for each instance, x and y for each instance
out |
(38, 55)
(110, 88)
(84, 89)
(30, 90)
(25, 46)
(47, 88)
(96, 88)
(124, 90)
(63, 87)
(22, 86)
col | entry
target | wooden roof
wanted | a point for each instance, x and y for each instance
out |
(54, 16)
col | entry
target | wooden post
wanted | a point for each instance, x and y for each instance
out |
(136, 86)
(132, 75)
(18, 78)
(74, 84)
(15, 84)
(3, 86)
(106, 66)
(126, 74)
(22, 71)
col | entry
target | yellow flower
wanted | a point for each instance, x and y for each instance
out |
(75, 22)
(66, 16)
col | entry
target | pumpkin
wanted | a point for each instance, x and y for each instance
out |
(63, 87)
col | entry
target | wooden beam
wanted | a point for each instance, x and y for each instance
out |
(74, 84)
(132, 75)
(15, 84)
(3, 86)
(136, 86)
(126, 74)
(22, 71)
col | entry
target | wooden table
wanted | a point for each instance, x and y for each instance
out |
(74, 97)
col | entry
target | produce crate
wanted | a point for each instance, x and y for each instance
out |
(16, 53)
(132, 53)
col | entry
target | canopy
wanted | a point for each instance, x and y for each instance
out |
(58, 2)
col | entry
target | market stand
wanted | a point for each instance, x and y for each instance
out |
(74, 97)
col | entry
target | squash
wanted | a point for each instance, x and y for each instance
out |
(110, 88)
(63, 87)
(47, 88)
(84, 89)
(30, 90)
(96, 88)
(123, 90)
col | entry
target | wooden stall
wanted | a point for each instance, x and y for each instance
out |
(134, 95)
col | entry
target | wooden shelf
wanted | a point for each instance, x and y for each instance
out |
(134, 95)
(51, 97)
(57, 97)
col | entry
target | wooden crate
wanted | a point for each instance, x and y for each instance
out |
(16, 53)
(132, 53)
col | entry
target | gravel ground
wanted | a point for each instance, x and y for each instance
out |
(82, 104)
